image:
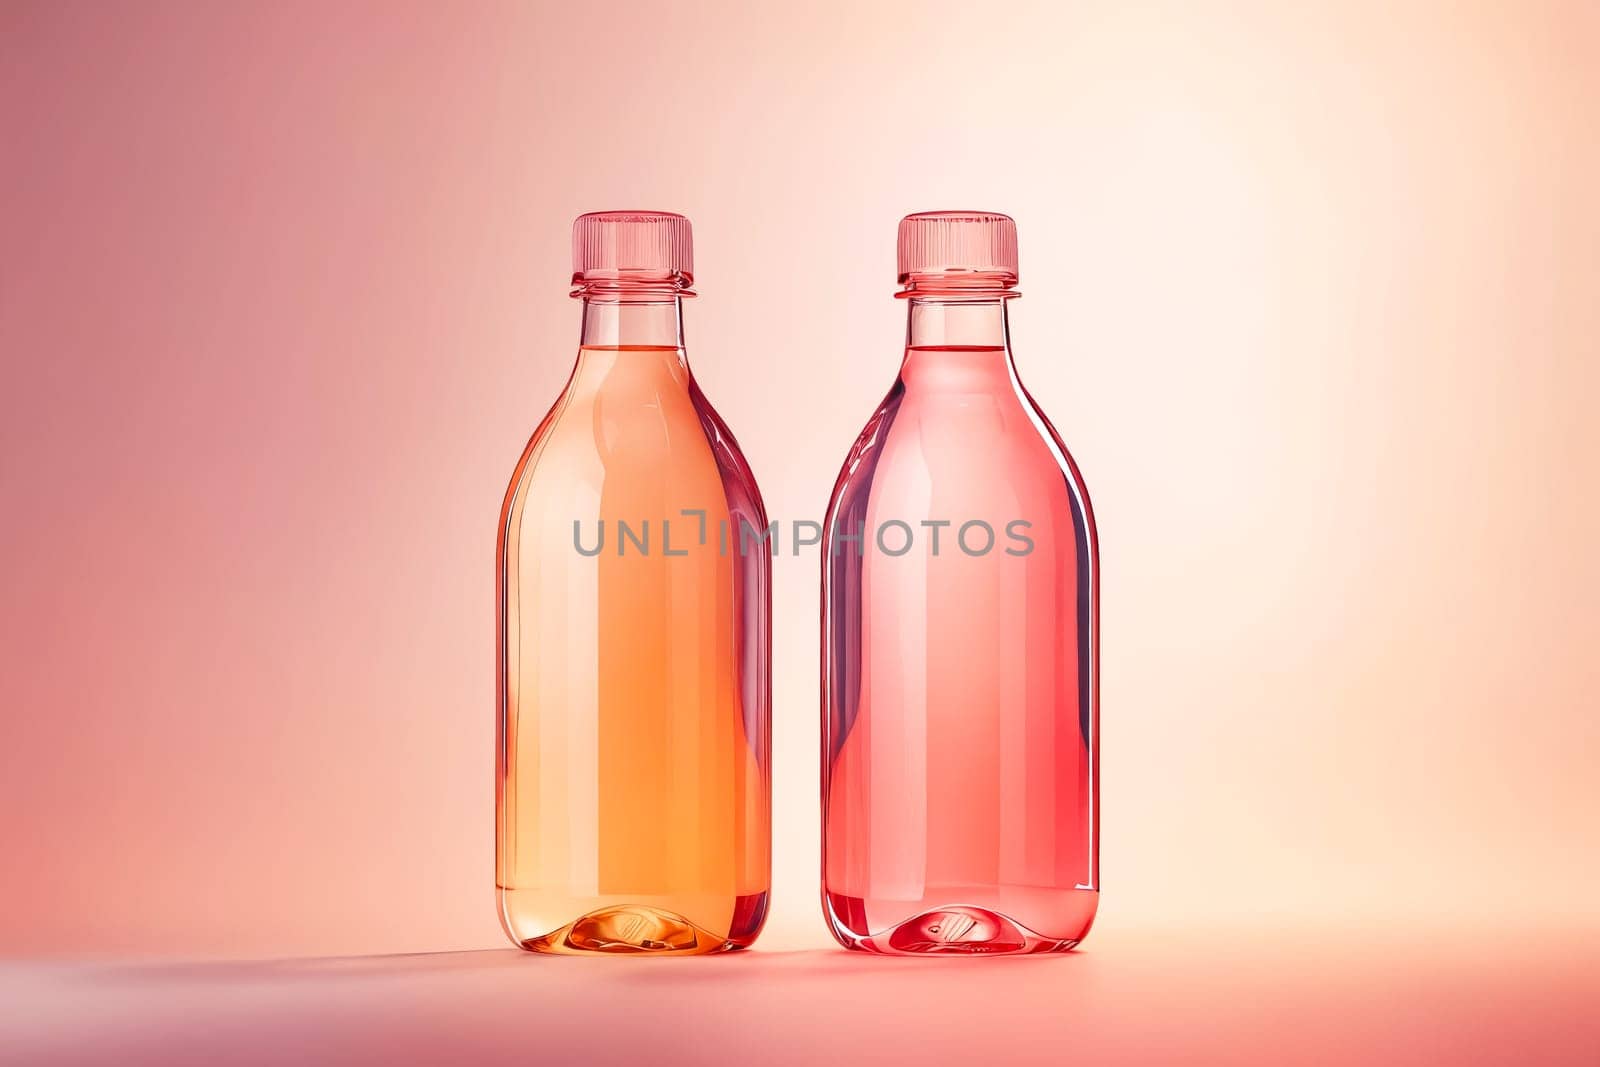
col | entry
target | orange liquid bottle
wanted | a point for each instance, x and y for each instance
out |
(633, 786)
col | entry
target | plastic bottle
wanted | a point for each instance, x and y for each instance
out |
(960, 724)
(633, 786)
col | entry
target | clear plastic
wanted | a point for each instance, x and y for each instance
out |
(633, 786)
(960, 690)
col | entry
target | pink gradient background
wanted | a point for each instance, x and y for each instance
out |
(1313, 294)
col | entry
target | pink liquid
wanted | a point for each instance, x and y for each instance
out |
(960, 689)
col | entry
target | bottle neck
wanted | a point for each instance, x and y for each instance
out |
(943, 323)
(948, 323)
(632, 321)
(958, 345)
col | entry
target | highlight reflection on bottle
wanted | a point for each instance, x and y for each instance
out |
(633, 795)
(960, 689)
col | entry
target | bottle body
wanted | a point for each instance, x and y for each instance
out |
(633, 799)
(960, 777)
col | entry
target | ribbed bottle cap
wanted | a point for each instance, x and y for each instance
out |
(938, 242)
(635, 245)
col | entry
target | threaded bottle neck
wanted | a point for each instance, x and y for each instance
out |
(632, 320)
(972, 320)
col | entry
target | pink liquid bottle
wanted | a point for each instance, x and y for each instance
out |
(960, 637)
(633, 793)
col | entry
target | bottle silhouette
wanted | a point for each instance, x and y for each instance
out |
(633, 796)
(960, 608)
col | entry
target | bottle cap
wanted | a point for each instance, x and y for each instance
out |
(642, 246)
(951, 242)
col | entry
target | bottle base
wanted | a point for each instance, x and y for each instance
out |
(629, 928)
(957, 929)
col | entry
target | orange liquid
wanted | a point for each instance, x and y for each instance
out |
(633, 803)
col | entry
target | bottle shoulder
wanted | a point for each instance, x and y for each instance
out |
(528, 460)
(861, 460)
(986, 439)
(664, 440)
(738, 478)
(1063, 457)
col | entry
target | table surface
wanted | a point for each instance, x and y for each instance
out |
(1280, 993)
